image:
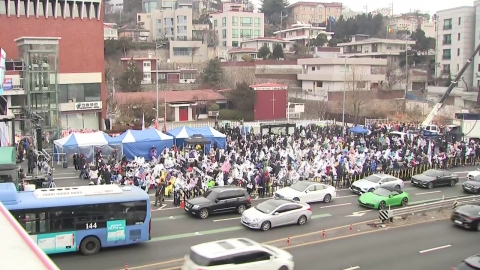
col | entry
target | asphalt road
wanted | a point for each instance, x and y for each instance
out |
(174, 231)
(434, 245)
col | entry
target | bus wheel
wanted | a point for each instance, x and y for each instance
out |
(90, 246)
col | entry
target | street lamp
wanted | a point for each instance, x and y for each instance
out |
(288, 111)
(344, 88)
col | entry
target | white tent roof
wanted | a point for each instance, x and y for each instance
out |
(83, 139)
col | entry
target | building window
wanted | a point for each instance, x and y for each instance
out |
(478, 69)
(147, 77)
(446, 69)
(361, 85)
(214, 23)
(257, 22)
(246, 21)
(146, 64)
(447, 39)
(459, 20)
(303, 8)
(187, 76)
(319, 84)
(224, 33)
(234, 21)
(181, 51)
(447, 54)
(265, 44)
(224, 21)
(447, 24)
(182, 30)
(257, 33)
(320, 8)
(245, 33)
(224, 43)
(313, 68)
(458, 67)
(458, 52)
(235, 44)
(458, 36)
(303, 16)
(181, 19)
(234, 33)
(81, 92)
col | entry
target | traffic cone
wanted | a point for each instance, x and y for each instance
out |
(323, 234)
(351, 227)
(288, 241)
(182, 204)
(126, 266)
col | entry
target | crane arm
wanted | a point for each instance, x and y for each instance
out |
(449, 90)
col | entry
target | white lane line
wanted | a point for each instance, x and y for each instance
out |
(163, 209)
(348, 196)
(335, 205)
(430, 192)
(352, 268)
(225, 219)
(434, 249)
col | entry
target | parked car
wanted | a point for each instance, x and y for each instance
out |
(383, 197)
(276, 212)
(467, 216)
(307, 191)
(470, 263)
(472, 185)
(219, 200)
(472, 174)
(434, 178)
(375, 181)
(237, 254)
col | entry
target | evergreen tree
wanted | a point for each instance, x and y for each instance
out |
(131, 78)
(264, 52)
(277, 52)
(243, 97)
(213, 73)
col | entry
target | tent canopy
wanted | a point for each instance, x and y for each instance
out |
(182, 133)
(197, 139)
(74, 140)
(147, 135)
(358, 130)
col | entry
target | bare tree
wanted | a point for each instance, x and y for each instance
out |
(358, 93)
(394, 76)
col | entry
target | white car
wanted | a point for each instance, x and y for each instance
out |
(472, 174)
(375, 181)
(237, 254)
(307, 191)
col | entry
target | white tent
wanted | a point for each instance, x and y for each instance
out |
(84, 143)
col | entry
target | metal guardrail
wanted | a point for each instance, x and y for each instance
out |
(441, 204)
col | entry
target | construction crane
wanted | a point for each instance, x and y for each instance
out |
(439, 105)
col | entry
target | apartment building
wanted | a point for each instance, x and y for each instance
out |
(149, 6)
(175, 26)
(234, 25)
(322, 75)
(301, 33)
(109, 32)
(457, 30)
(364, 46)
(314, 11)
(412, 24)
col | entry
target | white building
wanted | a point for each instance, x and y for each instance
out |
(109, 32)
(301, 33)
(114, 6)
(364, 46)
(457, 34)
(322, 75)
(251, 47)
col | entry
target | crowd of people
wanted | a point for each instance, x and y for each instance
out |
(262, 162)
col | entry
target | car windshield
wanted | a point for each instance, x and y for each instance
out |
(210, 194)
(300, 186)
(266, 207)
(373, 178)
(382, 192)
(431, 173)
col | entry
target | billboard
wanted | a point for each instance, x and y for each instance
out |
(3, 57)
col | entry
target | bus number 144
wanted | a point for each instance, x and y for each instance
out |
(91, 225)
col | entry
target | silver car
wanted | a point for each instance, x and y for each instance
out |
(276, 212)
(375, 181)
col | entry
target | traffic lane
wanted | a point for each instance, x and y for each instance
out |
(419, 246)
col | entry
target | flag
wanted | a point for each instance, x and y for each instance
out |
(143, 121)
(430, 151)
(164, 124)
(141, 173)
(156, 124)
(389, 30)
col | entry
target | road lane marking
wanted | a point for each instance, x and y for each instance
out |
(434, 249)
(335, 205)
(163, 209)
(430, 192)
(225, 219)
(352, 268)
(347, 196)
(321, 216)
(169, 218)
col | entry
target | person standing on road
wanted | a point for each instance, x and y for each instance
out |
(76, 161)
(159, 192)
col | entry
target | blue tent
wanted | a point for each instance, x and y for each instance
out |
(137, 143)
(182, 133)
(358, 130)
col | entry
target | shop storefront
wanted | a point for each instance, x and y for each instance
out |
(81, 115)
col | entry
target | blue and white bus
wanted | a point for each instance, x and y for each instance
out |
(84, 219)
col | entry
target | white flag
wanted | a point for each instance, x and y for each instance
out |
(143, 121)
(430, 151)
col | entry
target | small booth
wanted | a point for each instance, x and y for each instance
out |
(277, 128)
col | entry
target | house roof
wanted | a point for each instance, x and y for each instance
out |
(262, 86)
(244, 50)
(183, 96)
(273, 39)
(132, 27)
(304, 3)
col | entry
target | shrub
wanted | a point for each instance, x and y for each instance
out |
(214, 107)
(226, 114)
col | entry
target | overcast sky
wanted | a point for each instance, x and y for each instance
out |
(399, 6)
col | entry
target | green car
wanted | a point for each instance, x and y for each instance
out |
(382, 198)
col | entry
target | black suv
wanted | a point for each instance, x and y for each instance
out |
(470, 263)
(467, 216)
(219, 200)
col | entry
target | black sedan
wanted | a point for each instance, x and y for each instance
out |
(434, 178)
(472, 185)
(467, 216)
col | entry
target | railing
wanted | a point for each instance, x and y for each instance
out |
(450, 203)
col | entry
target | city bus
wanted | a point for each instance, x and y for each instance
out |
(85, 218)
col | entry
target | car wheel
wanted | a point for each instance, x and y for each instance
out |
(397, 187)
(452, 183)
(302, 220)
(296, 199)
(430, 185)
(203, 214)
(241, 208)
(404, 201)
(266, 226)
(382, 205)
(283, 268)
(371, 190)
(327, 198)
(90, 246)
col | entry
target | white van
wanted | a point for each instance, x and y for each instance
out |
(237, 254)
(432, 128)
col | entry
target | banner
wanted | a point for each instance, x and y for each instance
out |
(3, 57)
(8, 84)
